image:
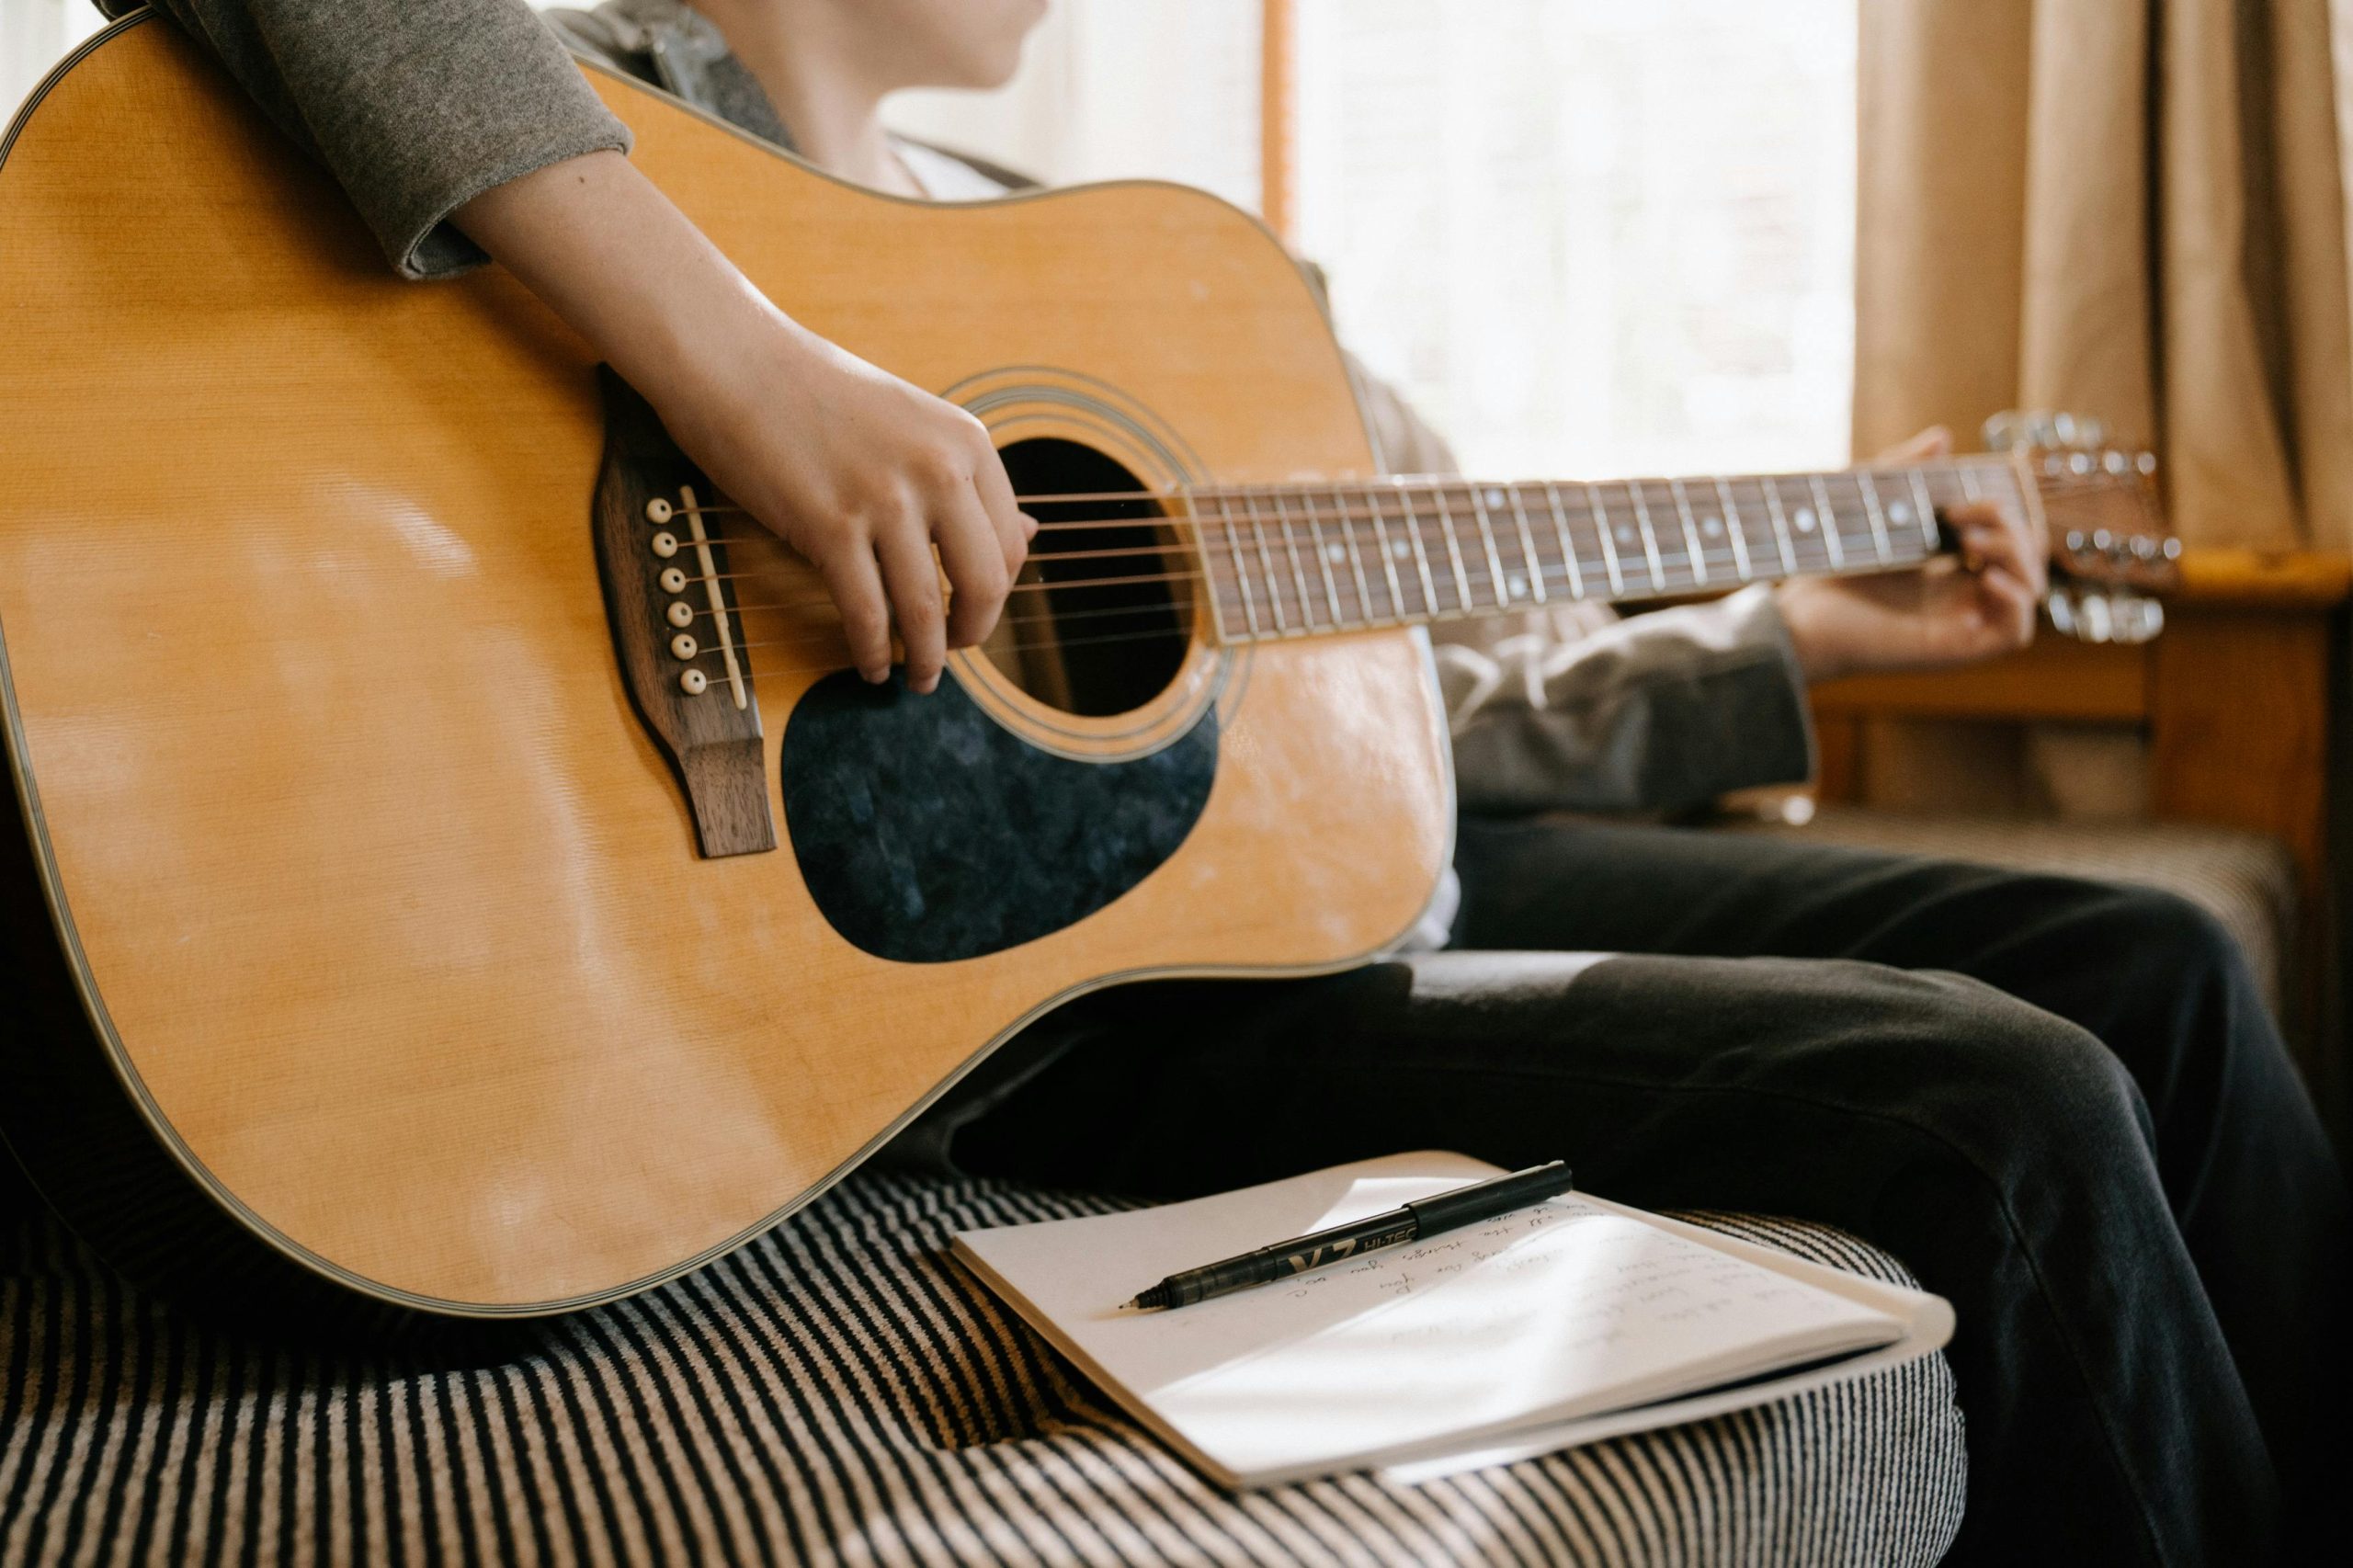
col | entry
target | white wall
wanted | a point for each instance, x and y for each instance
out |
(33, 35)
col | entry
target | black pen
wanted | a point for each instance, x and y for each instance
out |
(1423, 1217)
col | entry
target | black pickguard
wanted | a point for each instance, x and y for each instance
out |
(927, 832)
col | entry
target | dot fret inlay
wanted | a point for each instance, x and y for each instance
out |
(1301, 560)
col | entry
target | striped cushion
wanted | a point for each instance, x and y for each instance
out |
(839, 1391)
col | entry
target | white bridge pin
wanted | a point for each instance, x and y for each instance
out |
(657, 510)
(665, 545)
(684, 645)
(673, 580)
(680, 613)
(694, 683)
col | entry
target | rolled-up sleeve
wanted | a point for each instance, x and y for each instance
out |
(1662, 712)
(414, 105)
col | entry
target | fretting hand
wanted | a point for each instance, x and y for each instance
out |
(1955, 610)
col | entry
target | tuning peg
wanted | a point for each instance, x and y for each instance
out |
(2094, 617)
(2134, 617)
(2015, 428)
(2060, 602)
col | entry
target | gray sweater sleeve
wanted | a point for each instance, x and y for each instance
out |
(414, 105)
(1662, 712)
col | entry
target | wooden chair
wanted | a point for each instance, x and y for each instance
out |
(2235, 699)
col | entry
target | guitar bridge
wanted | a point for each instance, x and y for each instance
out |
(676, 631)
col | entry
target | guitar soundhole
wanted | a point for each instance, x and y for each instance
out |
(1101, 619)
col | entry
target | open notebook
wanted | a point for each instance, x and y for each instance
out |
(1569, 1321)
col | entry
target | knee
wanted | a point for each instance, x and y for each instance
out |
(2160, 940)
(2185, 936)
(1988, 1070)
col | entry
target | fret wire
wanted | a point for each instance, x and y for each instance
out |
(1388, 557)
(1527, 541)
(1879, 522)
(1516, 540)
(1421, 553)
(1598, 512)
(1650, 535)
(1363, 610)
(1833, 532)
(1521, 572)
(1267, 560)
(1495, 556)
(1690, 531)
(1453, 548)
(1181, 520)
(1560, 528)
(1241, 577)
(1290, 548)
(1502, 549)
(1927, 510)
(1739, 530)
(1356, 559)
(1322, 560)
(1780, 526)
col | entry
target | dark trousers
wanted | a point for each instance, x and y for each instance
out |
(2061, 1103)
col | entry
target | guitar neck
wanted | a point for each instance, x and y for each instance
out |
(1298, 560)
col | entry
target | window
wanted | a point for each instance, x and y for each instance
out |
(1585, 237)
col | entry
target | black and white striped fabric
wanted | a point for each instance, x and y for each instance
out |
(842, 1392)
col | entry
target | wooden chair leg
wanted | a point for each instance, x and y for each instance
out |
(2239, 736)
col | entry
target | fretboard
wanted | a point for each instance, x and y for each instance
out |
(1297, 559)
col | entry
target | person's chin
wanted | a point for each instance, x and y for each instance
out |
(988, 75)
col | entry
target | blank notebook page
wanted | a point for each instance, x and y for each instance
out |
(1560, 1310)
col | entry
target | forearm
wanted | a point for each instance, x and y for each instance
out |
(612, 255)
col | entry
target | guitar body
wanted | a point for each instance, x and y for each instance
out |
(367, 949)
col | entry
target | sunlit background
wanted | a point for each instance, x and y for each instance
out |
(1585, 237)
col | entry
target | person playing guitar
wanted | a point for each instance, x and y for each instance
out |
(2062, 1103)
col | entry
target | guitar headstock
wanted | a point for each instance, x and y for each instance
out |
(2110, 554)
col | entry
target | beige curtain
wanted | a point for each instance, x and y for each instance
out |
(2129, 209)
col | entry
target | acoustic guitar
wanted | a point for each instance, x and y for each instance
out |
(458, 873)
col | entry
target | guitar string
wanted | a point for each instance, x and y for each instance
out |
(1363, 526)
(832, 633)
(1674, 562)
(1407, 488)
(1347, 522)
(1342, 519)
(1675, 555)
(1430, 483)
(1363, 619)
